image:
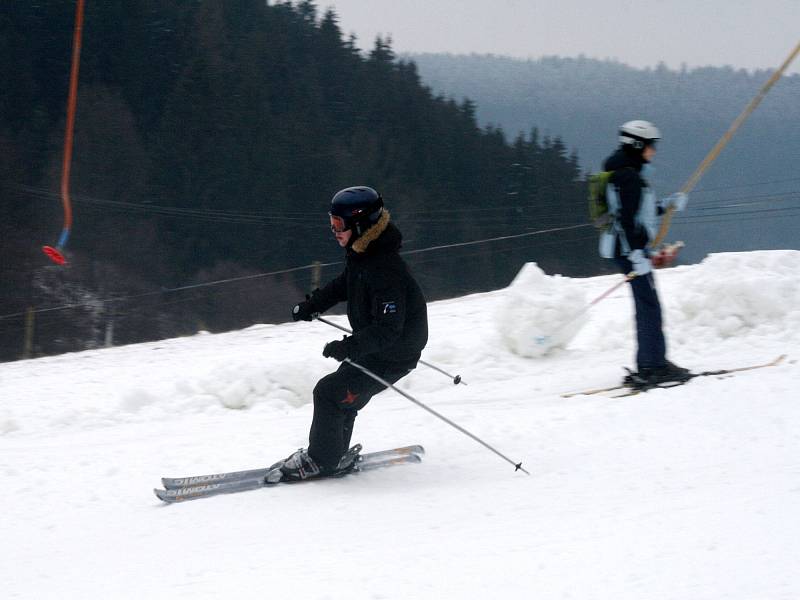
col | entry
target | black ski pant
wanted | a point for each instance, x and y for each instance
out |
(337, 399)
(652, 349)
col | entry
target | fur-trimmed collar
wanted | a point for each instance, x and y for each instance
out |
(371, 234)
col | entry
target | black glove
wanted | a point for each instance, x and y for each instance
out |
(338, 349)
(303, 311)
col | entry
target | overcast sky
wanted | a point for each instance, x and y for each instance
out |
(742, 33)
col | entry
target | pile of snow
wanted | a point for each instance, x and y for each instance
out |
(726, 296)
(707, 308)
(740, 293)
(540, 313)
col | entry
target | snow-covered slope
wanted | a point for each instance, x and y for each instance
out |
(685, 493)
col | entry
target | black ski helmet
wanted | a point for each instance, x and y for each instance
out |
(359, 207)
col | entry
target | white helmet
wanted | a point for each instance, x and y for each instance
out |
(638, 133)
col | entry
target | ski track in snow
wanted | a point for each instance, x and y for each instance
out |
(683, 493)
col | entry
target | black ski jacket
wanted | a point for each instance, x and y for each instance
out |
(385, 305)
(630, 184)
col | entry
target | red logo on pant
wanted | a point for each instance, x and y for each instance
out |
(350, 398)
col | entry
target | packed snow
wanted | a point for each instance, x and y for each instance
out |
(684, 493)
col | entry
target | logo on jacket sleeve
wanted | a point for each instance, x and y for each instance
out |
(388, 308)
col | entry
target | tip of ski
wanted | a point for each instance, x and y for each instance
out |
(367, 465)
(402, 451)
(180, 482)
(204, 491)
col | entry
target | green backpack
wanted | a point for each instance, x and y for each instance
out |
(598, 204)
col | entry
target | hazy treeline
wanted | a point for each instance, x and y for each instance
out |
(209, 138)
(748, 199)
(585, 100)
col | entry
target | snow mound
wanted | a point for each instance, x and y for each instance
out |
(540, 312)
(733, 293)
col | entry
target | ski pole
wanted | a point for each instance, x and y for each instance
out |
(723, 141)
(456, 378)
(517, 466)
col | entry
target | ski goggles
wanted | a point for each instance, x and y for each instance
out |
(338, 225)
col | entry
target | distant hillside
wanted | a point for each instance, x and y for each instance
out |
(584, 101)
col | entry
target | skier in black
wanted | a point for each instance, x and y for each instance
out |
(388, 316)
(635, 211)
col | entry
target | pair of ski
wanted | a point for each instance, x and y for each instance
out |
(179, 489)
(622, 390)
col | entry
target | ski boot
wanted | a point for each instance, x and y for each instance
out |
(300, 466)
(648, 377)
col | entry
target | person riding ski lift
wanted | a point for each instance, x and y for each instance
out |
(634, 213)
